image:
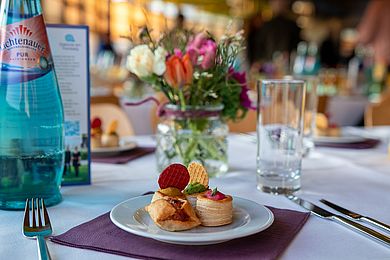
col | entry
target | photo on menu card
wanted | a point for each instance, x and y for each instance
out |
(70, 49)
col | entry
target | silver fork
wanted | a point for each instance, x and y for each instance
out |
(38, 227)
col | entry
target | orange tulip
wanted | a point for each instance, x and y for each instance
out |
(189, 70)
(179, 71)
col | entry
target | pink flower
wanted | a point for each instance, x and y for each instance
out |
(200, 38)
(194, 54)
(240, 77)
(245, 100)
(178, 53)
(208, 51)
(202, 51)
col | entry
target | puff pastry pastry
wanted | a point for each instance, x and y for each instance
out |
(161, 195)
(192, 198)
(173, 214)
(213, 213)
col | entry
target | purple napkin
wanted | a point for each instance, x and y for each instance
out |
(100, 234)
(366, 144)
(125, 157)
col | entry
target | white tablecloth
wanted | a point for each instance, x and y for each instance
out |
(359, 180)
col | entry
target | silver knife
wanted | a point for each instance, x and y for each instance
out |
(320, 212)
(357, 216)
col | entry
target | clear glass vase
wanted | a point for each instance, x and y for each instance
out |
(193, 134)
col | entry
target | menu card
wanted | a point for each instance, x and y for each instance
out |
(70, 50)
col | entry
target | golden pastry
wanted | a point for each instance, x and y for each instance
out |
(96, 133)
(324, 128)
(198, 174)
(198, 184)
(192, 191)
(173, 214)
(170, 192)
(96, 142)
(332, 132)
(110, 138)
(214, 208)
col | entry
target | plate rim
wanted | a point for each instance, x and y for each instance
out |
(121, 148)
(207, 237)
(339, 139)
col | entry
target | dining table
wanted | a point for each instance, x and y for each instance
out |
(356, 179)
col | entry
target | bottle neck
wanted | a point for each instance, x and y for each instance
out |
(12, 11)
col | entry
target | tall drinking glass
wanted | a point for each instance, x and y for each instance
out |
(279, 135)
(310, 113)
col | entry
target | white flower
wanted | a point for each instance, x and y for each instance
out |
(213, 95)
(196, 75)
(141, 61)
(159, 61)
(206, 74)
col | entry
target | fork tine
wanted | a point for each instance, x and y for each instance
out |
(26, 221)
(34, 224)
(40, 223)
(46, 215)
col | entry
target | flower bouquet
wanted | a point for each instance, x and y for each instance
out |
(203, 90)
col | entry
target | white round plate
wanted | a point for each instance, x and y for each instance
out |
(339, 139)
(248, 218)
(110, 151)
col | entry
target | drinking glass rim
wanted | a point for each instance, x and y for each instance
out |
(281, 81)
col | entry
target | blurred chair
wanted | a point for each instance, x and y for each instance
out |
(322, 104)
(104, 100)
(108, 112)
(378, 113)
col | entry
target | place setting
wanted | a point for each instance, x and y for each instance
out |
(343, 139)
(108, 147)
(159, 129)
(171, 220)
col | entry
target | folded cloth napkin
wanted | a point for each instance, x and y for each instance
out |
(102, 235)
(366, 144)
(125, 157)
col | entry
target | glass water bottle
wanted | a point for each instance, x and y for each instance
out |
(31, 113)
